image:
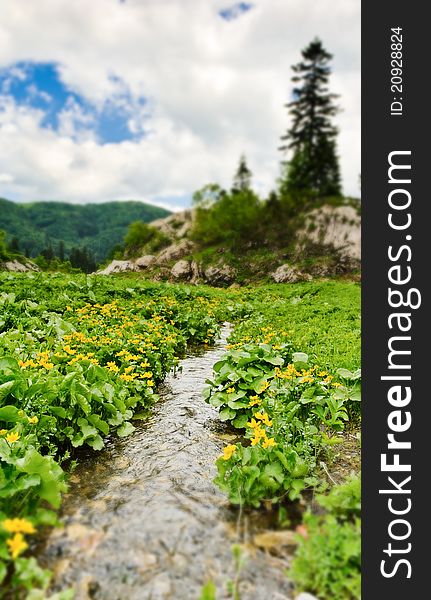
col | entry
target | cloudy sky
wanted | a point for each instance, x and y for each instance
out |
(151, 99)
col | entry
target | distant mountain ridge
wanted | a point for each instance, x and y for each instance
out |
(98, 227)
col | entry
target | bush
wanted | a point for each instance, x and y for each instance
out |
(328, 559)
(141, 236)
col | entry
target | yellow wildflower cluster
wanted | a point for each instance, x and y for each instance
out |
(259, 433)
(112, 325)
(228, 451)
(42, 360)
(255, 401)
(18, 527)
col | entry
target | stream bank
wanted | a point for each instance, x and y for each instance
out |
(143, 520)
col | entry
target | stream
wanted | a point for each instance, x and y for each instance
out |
(143, 519)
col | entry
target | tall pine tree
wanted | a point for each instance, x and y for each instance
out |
(242, 177)
(312, 167)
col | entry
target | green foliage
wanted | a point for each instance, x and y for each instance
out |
(3, 246)
(313, 167)
(98, 227)
(142, 237)
(79, 359)
(232, 218)
(289, 410)
(328, 559)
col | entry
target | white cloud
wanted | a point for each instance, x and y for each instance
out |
(214, 88)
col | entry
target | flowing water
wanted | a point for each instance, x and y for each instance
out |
(143, 520)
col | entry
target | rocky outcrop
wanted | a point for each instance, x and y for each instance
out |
(16, 266)
(338, 227)
(220, 275)
(177, 226)
(181, 270)
(289, 274)
(146, 261)
(119, 266)
(175, 251)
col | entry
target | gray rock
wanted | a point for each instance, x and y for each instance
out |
(197, 273)
(220, 275)
(175, 251)
(18, 267)
(338, 227)
(143, 262)
(181, 270)
(176, 226)
(287, 274)
(118, 266)
(306, 596)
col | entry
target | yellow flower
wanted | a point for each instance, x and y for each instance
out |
(254, 401)
(3, 431)
(262, 416)
(228, 451)
(33, 420)
(18, 526)
(255, 441)
(269, 443)
(112, 367)
(230, 390)
(12, 437)
(16, 545)
(69, 350)
(150, 383)
(253, 424)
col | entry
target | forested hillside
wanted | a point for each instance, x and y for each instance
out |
(36, 227)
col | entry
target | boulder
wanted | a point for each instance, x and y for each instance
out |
(118, 266)
(196, 270)
(306, 596)
(338, 227)
(181, 270)
(176, 226)
(288, 274)
(175, 251)
(143, 262)
(18, 267)
(220, 275)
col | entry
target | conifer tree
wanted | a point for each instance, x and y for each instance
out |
(242, 177)
(312, 167)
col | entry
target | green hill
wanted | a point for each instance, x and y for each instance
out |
(99, 227)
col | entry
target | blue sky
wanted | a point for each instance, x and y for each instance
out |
(152, 100)
(39, 85)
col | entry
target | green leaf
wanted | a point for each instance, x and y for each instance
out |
(208, 591)
(226, 414)
(9, 414)
(51, 474)
(275, 470)
(240, 421)
(5, 389)
(99, 423)
(8, 364)
(125, 429)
